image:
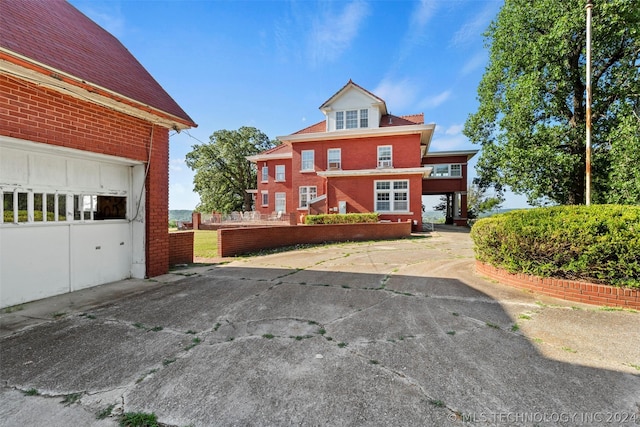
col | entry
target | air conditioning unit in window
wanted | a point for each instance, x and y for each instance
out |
(384, 164)
(334, 166)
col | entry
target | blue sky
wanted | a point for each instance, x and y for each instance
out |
(271, 64)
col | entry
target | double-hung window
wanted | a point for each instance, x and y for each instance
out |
(384, 156)
(265, 198)
(392, 196)
(307, 194)
(340, 120)
(265, 173)
(307, 160)
(280, 173)
(364, 118)
(446, 171)
(352, 119)
(334, 159)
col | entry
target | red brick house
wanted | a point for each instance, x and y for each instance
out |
(84, 152)
(360, 158)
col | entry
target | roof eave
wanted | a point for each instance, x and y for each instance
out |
(425, 131)
(42, 74)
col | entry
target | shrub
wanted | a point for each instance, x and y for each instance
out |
(352, 218)
(599, 243)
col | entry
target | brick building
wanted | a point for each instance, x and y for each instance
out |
(360, 158)
(84, 152)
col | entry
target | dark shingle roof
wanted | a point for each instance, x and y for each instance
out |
(55, 34)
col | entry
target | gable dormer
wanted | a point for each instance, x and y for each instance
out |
(353, 107)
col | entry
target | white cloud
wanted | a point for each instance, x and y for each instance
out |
(416, 29)
(423, 13)
(176, 165)
(454, 129)
(472, 30)
(398, 94)
(435, 100)
(473, 63)
(448, 143)
(332, 33)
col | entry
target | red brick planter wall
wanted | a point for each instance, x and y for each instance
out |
(570, 290)
(238, 241)
(181, 247)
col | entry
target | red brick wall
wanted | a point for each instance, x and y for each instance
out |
(570, 290)
(181, 247)
(238, 241)
(39, 114)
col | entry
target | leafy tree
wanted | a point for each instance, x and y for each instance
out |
(531, 120)
(478, 202)
(222, 172)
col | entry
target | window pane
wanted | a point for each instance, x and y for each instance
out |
(456, 170)
(382, 202)
(334, 161)
(364, 118)
(280, 202)
(38, 199)
(265, 173)
(265, 199)
(111, 207)
(307, 160)
(383, 185)
(352, 119)
(339, 120)
(280, 173)
(441, 170)
(62, 207)
(7, 205)
(22, 207)
(399, 185)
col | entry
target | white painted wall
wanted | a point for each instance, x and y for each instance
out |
(42, 259)
(354, 99)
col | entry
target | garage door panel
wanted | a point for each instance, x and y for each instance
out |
(100, 253)
(34, 263)
(14, 166)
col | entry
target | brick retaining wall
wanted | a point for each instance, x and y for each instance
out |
(571, 290)
(181, 247)
(236, 241)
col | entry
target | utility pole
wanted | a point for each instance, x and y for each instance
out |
(588, 114)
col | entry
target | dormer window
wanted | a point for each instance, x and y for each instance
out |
(352, 119)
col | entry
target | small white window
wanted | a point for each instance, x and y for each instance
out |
(265, 173)
(280, 173)
(307, 160)
(307, 194)
(364, 118)
(265, 198)
(281, 202)
(340, 120)
(352, 119)
(456, 170)
(334, 159)
(384, 156)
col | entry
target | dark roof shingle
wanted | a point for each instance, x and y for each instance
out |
(57, 35)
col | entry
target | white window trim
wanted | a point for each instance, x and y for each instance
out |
(385, 163)
(448, 176)
(262, 177)
(391, 192)
(308, 194)
(339, 150)
(284, 174)
(313, 160)
(283, 197)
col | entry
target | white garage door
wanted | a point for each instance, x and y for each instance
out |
(66, 220)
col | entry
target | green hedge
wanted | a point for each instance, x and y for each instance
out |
(598, 243)
(37, 216)
(352, 218)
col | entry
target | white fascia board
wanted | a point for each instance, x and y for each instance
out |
(425, 132)
(86, 95)
(266, 157)
(468, 153)
(318, 199)
(425, 171)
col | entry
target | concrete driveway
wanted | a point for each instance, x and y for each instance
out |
(400, 333)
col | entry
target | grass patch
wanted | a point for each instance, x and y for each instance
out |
(216, 326)
(88, 316)
(451, 333)
(607, 308)
(538, 340)
(524, 316)
(139, 325)
(138, 419)
(492, 325)
(636, 367)
(342, 344)
(101, 415)
(190, 332)
(70, 399)
(31, 392)
(13, 309)
(58, 314)
(455, 314)
(322, 331)
(437, 403)
(194, 342)
(374, 362)
(515, 327)
(569, 349)
(268, 336)
(205, 243)
(167, 362)
(156, 329)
